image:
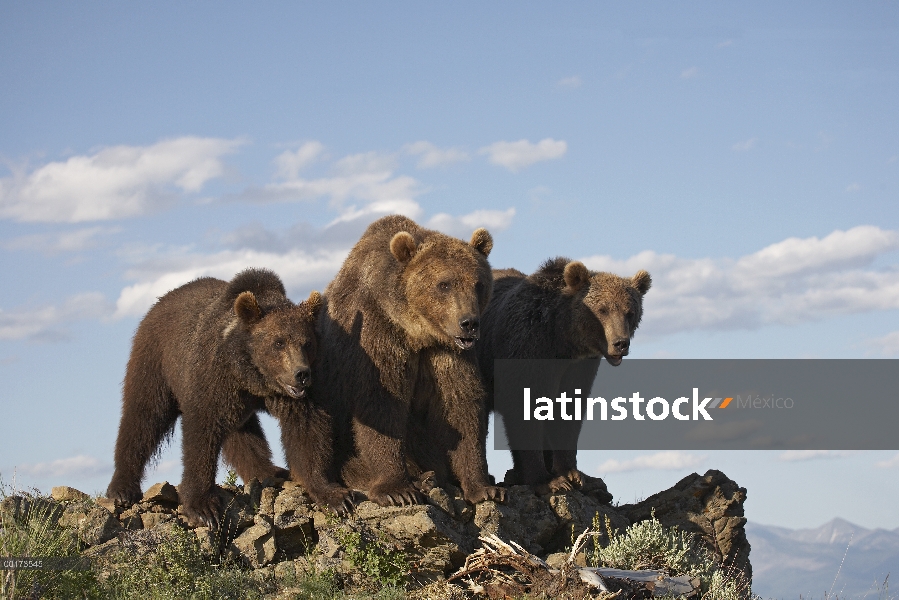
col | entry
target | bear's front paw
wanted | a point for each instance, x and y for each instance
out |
(339, 499)
(124, 494)
(575, 476)
(402, 495)
(203, 511)
(488, 492)
(557, 485)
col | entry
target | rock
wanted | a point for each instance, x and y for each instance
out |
(64, 493)
(524, 518)
(94, 524)
(151, 519)
(256, 545)
(267, 500)
(284, 525)
(577, 512)
(557, 559)
(109, 505)
(253, 489)
(440, 498)
(162, 493)
(131, 519)
(711, 506)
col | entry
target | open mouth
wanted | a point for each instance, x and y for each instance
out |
(295, 392)
(465, 342)
(614, 360)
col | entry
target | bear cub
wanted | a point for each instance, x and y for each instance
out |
(562, 311)
(215, 353)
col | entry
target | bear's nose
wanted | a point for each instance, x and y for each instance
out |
(470, 325)
(622, 345)
(303, 376)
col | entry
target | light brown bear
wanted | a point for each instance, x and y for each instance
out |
(562, 311)
(215, 353)
(398, 364)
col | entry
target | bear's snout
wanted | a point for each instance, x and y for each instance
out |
(303, 377)
(470, 326)
(621, 345)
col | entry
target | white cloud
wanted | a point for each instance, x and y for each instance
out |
(432, 156)
(792, 281)
(492, 220)
(115, 183)
(75, 466)
(291, 163)
(887, 345)
(47, 323)
(689, 73)
(889, 463)
(801, 455)
(664, 461)
(55, 243)
(571, 83)
(296, 267)
(358, 185)
(745, 146)
(518, 155)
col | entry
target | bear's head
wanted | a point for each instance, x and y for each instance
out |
(607, 309)
(282, 341)
(446, 285)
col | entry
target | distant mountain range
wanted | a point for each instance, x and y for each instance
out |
(787, 563)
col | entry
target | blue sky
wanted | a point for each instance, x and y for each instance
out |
(747, 156)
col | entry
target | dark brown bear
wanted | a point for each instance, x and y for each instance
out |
(398, 362)
(562, 311)
(215, 353)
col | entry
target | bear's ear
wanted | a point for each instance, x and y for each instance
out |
(642, 281)
(247, 309)
(575, 275)
(403, 247)
(314, 302)
(482, 241)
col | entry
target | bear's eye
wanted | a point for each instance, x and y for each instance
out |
(278, 344)
(443, 286)
(629, 315)
(603, 311)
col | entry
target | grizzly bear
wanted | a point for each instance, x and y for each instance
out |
(562, 311)
(397, 361)
(215, 353)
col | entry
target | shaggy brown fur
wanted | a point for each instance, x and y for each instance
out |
(216, 353)
(397, 361)
(564, 311)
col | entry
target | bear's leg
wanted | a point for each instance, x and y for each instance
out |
(460, 396)
(248, 453)
(149, 412)
(203, 436)
(307, 434)
(530, 469)
(385, 461)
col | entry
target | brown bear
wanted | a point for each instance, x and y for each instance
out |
(562, 311)
(398, 365)
(215, 353)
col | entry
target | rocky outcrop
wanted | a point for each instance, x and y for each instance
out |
(710, 506)
(273, 526)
